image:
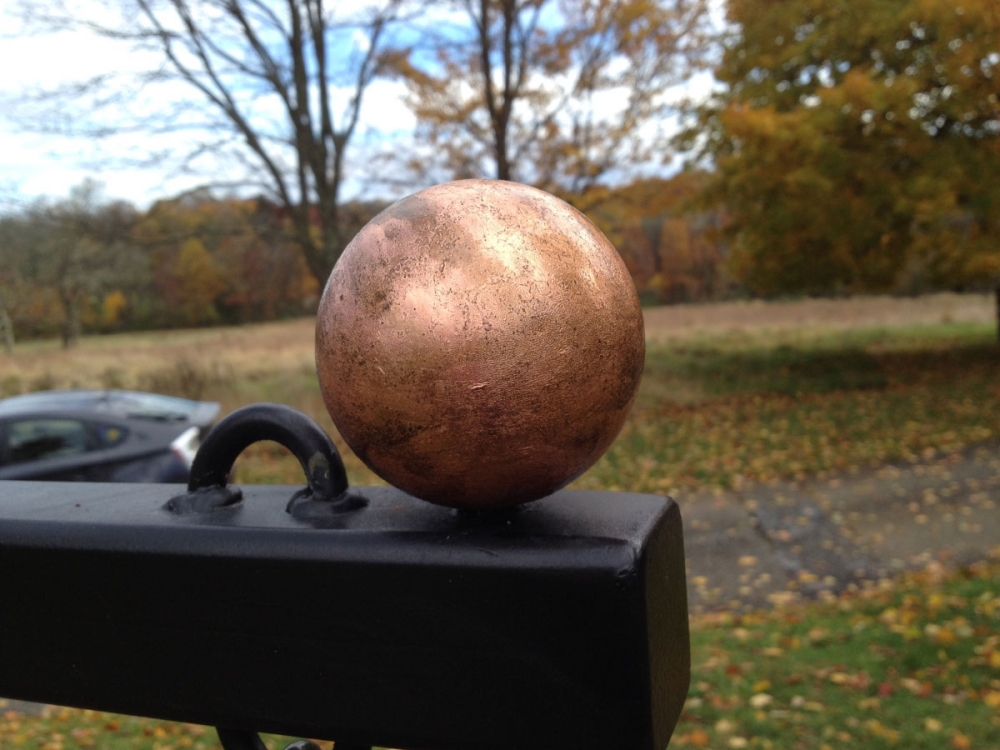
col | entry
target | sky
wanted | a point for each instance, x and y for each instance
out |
(31, 163)
(34, 164)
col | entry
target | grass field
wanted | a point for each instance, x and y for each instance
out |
(913, 664)
(732, 393)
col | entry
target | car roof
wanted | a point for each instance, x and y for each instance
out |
(113, 403)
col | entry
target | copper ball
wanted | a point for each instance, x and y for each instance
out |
(479, 344)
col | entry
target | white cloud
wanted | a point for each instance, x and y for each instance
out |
(37, 165)
(384, 110)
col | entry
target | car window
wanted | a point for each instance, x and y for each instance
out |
(35, 439)
(154, 406)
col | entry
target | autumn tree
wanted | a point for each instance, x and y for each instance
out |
(13, 288)
(75, 249)
(201, 282)
(213, 260)
(674, 252)
(556, 94)
(857, 144)
(27, 305)
(271, 90)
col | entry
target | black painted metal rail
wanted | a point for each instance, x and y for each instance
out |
(562, 625)
(363, 616)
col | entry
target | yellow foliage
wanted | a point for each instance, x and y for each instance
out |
(858, 151)
(200, 282)
(112, 306)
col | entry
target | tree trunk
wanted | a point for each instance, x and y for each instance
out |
(503, 163)
(7, 327)
(71, 320)
(996, 297)
(320, 253)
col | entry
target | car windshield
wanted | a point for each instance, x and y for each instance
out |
(123, 403)
(154, 406)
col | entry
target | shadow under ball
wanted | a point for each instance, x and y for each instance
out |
(479, 344)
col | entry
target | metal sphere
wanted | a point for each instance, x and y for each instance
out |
(479, 344)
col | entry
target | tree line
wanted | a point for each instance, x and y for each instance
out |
(847, 147)
(86, 264)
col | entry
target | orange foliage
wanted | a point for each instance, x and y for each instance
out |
(223, 260)
(673, 251)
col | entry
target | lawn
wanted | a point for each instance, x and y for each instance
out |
(731, 394)
(725, 409)
(913, 664)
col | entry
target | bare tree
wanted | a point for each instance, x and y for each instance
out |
(554, 92)
(277, 88)
(9, 284)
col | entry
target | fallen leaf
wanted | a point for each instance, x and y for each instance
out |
(960, 741)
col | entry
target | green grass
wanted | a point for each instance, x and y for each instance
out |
(803, 362)
(722, 411)
(726, 409)
(914, 665)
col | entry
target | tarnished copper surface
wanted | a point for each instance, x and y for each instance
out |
(479, 344)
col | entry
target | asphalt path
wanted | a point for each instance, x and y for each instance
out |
(787, 541)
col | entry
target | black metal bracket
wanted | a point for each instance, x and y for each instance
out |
(325, 493)
(208, 489)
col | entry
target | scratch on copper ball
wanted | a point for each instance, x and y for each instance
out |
(479, 344)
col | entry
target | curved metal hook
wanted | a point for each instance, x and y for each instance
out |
(315, 451)
(301, 435)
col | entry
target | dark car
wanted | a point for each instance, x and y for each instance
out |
(101, 436)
